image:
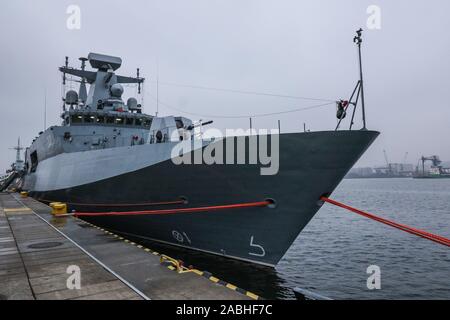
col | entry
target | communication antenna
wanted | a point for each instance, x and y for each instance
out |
(45, 109)
(157, 88)
(139, 83)
(66, 64)
(64, 74)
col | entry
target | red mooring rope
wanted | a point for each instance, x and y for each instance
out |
(174, 211)
(417, 232)
(141, 204)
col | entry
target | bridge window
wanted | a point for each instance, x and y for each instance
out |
(110, 120)
(147, 122)
(129, 121)
(100, 119)
(138, 122)
(179, 124)
(77, 119)
(89, 119)
(119, 121)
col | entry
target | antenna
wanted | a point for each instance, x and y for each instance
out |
(157, 88)
(139, 83)
(45, 108)
(64, 74)
(83, 62)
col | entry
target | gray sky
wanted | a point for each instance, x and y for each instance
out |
(301, 48)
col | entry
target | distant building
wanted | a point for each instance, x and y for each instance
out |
(401, 169)
(360, 173)
(393, 170)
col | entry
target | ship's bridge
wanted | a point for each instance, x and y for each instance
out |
(107, 118)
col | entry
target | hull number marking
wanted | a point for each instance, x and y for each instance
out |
(181, 237)
(259, 247)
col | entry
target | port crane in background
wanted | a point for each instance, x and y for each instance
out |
(404, 161)
(436, 170)
(396, 169)
(388, 165)
(434, 160)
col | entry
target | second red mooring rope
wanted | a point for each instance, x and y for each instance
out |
(417, 232)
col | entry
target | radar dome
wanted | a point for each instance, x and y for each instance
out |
(132, 104)
(71, 97)
(116, 90)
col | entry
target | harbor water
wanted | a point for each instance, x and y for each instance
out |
(332, 254)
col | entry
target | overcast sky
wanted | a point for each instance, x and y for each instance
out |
(300, 48)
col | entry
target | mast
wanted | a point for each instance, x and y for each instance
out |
(82, 94)
(358, 92)
(157, 89)
(45, 110)
(358, 40)
(18, 148)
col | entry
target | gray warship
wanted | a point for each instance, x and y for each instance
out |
(12, 179)
(113, 162)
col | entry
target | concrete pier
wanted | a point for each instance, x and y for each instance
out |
(38, 253)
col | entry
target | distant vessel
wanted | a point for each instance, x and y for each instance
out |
(12, 179)
(436, 171)
(109, 156)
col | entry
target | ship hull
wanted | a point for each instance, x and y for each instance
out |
(310, 165)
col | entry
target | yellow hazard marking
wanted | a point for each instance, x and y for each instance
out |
(252, 295)
(155, 253)
(139, 246)
(200, 273)
(231, 286)
(133, 243)
(147, 250)
(214, 279)
(171, 267)
(16, 209)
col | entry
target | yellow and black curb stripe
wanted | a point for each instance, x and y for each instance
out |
(230, 286)
(170, 266)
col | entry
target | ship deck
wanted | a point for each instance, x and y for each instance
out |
(37, 248)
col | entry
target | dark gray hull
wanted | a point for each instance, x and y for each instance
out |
(311, 165)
